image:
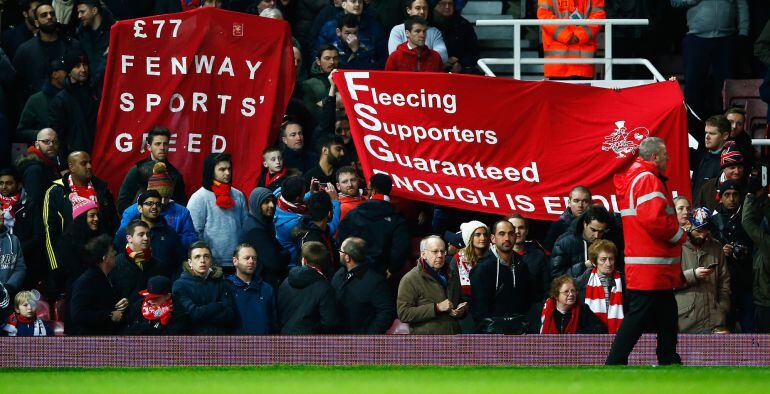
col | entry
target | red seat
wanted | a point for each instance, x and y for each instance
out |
(736, 92)
(58, 310)
(43, 310)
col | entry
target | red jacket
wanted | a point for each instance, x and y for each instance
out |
(652, 234)
(416, 59)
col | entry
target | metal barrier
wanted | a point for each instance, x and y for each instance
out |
(607, 60)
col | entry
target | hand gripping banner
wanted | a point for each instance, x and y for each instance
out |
(219, 80)
(505, 146)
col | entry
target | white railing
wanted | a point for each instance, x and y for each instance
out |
(760, 142)
(607, 61)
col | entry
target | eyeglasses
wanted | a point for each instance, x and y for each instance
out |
(49, 142)
(567, 292)
(152, 204)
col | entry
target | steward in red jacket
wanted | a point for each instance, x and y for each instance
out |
(414, 55)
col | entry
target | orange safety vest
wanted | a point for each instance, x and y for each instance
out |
(556, 38)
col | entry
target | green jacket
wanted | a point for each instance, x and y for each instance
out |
(35, 115)
(314, 90)
(754, 208)
(418, 293)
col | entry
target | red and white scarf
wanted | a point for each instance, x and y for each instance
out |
(548, 324)
(86, 191)
(286, 206)
(153, 312)
(596, 300)
(270, 178)
(9, 207)
(140, 257)
(464, 272)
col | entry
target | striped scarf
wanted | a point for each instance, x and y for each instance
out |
(597, 301)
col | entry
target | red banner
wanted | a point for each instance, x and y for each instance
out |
(506, 146)
(219, 80)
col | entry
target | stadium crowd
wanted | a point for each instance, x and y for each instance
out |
(316, 248)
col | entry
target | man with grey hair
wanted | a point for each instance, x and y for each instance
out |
(653, 260)
(429, 295)
(363, 296)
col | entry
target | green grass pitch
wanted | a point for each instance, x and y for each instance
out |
(384, 379)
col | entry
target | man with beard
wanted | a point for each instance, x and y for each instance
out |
(135, 263)
(533, 256)
(254, 298)
(349, 186)
(332, 150)
(704, 300)
(13, 38)
(500, 282)
(94, 34)
(73, 111)
(570, 253)
(33, 58)
(165, 242)
(260, 233)
(59, 198)
(737, 248)
(16, 216)
(316, 87)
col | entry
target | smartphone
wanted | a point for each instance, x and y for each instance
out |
(712, 266)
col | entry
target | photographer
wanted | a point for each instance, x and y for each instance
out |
(737, 248)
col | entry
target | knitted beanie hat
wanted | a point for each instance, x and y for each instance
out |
(731, 156)
(468, 228)
(160, 180)
(81, 205)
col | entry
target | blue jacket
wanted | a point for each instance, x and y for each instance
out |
(370, 34)
(207, 301)
(177, 216)
(255, 304)
(286, 221)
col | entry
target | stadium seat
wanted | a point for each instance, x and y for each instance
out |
(398, 328)
(43, 310)
(58, 328)
(756, 113)
(58, 310)
(736, 92)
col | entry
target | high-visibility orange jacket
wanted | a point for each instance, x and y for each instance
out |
(556, 39)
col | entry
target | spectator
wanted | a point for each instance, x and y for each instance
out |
(24, 321)
(137, 178)
(13, 38)
(500, 282)
(290, 208)
(155, 312)
(202, 294)
(356, 52)
(314, 227)
(704, 300)
(16, 213)
(67, 14)
(94, 34)
(274, 172)
(332, 150)
(579, 201)
(384, 230)
(717, 131)
(294, 155)
(737, 249)
(563, 313)
(433, 38)
(35, 116)
(135, 263)
(12, 267)
(533, 256)
(96, 308)
(733, 169)
(567, 41)
(737, 119)
(755, 208)
(176, 215)
(33, 58)
(306, 302)
(273, 259)
(363, 295)
(602, 286)
(458, 34)
(59, 206)
(315, 88)
(653, 253)
(414, 55)
(349, 186)
(683, 212)
(711, 44)
(369, 34)
(218, 210)
(475, 239)
(429, 295)
(244, 5)
(254, 298)
(73, 111)
(570, 253)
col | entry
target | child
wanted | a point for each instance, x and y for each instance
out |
(274, 174)
(24, 322)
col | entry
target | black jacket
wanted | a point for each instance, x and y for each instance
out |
(138, 325)
(166, 246)
(728, 229)
(207, 300)
(708, 168)
(306, 303)
(73, 114)
(128, 279)
(364, 301)
(570, 252)
(135, 183)
(385, 232)
(32, 63)
(301, 160)
(557, 228)
(308, 231)
(57, 213)
(498, 290)
(272, 257)
(461, 40)
(539, 270)
(92, 301)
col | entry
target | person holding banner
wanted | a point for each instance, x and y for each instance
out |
(652, 256)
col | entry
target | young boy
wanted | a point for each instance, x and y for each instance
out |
(274, 174)
(24, 322)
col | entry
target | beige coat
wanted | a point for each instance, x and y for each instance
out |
(418, 292)
(703, 303)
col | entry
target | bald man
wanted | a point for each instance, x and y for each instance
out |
(77, 184)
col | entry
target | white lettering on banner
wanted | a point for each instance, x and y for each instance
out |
(445, 192)
(180, 65)
(139, 26)
(124, 143)
(197, 103)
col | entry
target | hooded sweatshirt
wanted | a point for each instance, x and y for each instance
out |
(260, 233)
(12, 267)
(219, 228)
(306, 303)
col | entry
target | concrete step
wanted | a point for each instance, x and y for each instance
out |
(476, 17)
(483, 7)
